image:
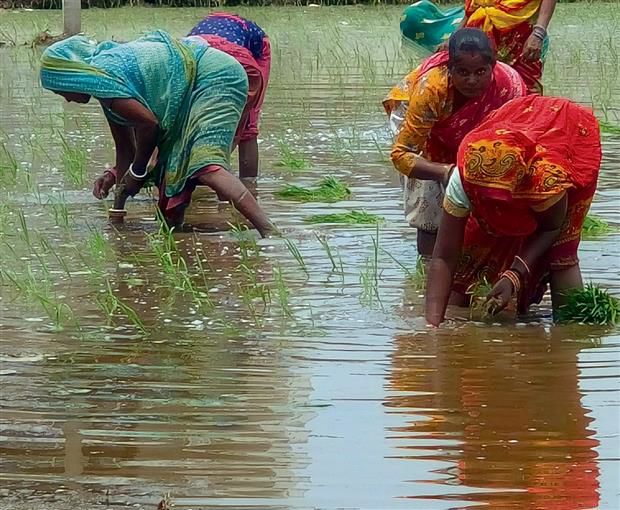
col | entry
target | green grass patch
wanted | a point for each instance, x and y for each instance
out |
(329, 190)
(349, 218)
(609, 128)
(590, 305)
(594, 227)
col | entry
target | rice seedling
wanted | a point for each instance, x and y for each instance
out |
(329, 190)
(60, 211)
(24, 232)
(97, 245)
(607, 127)
(113, 306)
(348, 218)
(590, 305)
(330, 254)
(282, 291)
(369, 276)
(292, 247)
(594, 226)
(8, 167)
(48, 248)
(290, 159)
(478, 293)
(74, 162)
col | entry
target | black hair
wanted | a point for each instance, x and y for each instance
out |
(471, 40)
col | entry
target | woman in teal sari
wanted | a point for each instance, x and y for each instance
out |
(182, 98)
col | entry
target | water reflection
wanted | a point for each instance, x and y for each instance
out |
(502, 409)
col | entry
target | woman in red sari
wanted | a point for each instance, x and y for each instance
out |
(441, 101)
(514, 210)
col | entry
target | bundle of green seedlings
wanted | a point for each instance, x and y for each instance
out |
(478, 303)
(349, 218)
(329, 190)
(590, 305)
(593, 227)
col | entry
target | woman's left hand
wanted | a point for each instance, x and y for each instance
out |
(500, 295)
(532, 50)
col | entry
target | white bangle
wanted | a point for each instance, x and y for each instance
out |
(136, 176)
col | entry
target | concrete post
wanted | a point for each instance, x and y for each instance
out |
(72, 16)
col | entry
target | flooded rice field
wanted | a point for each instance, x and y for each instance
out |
(294, 372)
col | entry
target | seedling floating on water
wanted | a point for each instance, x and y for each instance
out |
(590, 305)
(329, 190)
(593, 227)
(349, 218)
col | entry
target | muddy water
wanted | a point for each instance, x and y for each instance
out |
(329, 394)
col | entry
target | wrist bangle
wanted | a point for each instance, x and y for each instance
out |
(524, 264)
(137, 176)
(514, 279)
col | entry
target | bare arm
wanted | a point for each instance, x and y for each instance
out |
(441, 273)
(145, 126)
(535, 246)
(545, 13)
(125, 143)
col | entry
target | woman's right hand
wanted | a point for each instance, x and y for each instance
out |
(103, 184)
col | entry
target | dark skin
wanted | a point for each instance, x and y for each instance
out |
(448, 249)
(471, 75)
(532, 50)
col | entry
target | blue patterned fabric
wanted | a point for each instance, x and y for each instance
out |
(234, 29)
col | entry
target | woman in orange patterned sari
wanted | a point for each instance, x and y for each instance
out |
(519, 30)
(438, 104)
(514, 211)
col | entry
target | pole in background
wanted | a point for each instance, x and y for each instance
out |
(72, 16)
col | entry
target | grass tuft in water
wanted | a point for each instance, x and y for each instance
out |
(349, 218)
(590, 305)
(594, 226)
(329, 190)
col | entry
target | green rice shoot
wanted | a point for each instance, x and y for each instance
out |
(329, 190)
(348, 218)
(611, 129)
(478, 293)
(594, 226)
(590, 305)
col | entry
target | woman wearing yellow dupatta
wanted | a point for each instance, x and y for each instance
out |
(519, 30)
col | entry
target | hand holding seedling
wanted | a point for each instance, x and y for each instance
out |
(532, 50)
(103, 184)
(500, 296)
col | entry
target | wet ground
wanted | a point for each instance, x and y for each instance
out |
(234, 374)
